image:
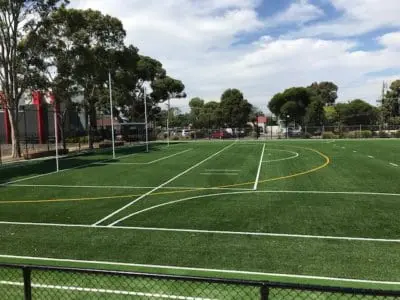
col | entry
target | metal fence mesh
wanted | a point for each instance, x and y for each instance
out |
(23, 282)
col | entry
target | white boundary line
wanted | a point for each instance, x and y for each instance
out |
(293, 276)
(127, 187)
(239, 233)
(237, 193)
(161, 185)
(103, 291)
(394, 165)
(221, 170)
(219, 174)
(144, 163)
(259, 168)
(295, 155)
(62, 170)
(163, 158)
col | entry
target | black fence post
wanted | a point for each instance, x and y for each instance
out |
(27, 283)
(264, 292)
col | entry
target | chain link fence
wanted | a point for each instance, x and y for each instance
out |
(29, 282)
(37, 132)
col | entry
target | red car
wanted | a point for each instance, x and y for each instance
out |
(220, 135)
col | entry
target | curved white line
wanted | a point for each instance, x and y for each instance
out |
(295, 154)
(248, 192)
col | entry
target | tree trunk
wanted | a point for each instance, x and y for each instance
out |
(92, 124)
(15, 138)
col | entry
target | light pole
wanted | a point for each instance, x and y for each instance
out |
(112, 114)
(145, 119)
(287, 126)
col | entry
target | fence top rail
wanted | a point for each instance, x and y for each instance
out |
(239, 282)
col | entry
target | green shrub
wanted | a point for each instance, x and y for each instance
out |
(329, 135)
(352, 134)
(307, 135)
(175, 138)
(383, 134)
(396, 134)
(366, 134)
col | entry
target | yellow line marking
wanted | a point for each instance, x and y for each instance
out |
(326, 163)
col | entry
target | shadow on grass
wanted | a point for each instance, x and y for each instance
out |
(11, 172)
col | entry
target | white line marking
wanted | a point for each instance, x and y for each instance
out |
(370, 156)
(126, 187)
(62, 170)
(262, 234)
(355, 151)
(259, 168)
(160, 159)
(221, 170)
(237, 193)
(294, 276)
(394, 165)
(143, 163)
(103, 291)
(295, 154)
(160, 186)
(223, 174)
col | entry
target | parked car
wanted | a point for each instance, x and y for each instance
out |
(220, 135)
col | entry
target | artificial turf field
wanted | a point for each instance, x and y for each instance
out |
(321, 212)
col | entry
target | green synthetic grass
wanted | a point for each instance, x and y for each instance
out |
(290, 167)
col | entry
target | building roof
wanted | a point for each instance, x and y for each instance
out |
(262, 119)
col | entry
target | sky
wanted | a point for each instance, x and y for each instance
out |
(265, 46)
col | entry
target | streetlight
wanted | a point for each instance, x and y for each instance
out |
(287, 126)
(112, 114)
(172, 96)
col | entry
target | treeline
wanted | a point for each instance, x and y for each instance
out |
(316, 105)
(46, 46)
(232, 111)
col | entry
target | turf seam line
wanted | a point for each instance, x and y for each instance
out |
(103, 291)
(158, 187)
(294, 276)
(265, 234)
(259, 168)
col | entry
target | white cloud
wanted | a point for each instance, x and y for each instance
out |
(391, 40)
(358, 17)
(193, 39)
(300, 11)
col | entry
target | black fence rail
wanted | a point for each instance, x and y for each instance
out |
(37, 282)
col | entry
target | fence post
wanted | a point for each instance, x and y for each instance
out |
(27, 283)
(264, 292)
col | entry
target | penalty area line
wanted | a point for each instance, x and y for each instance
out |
(159, 187)
(259, 168)
(207, 270)
(222, 232)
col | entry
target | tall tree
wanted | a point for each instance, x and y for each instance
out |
(235, 110)
(391, 102)
(196, 110)
(94, 42)
(21, 53)
(357, 112)
(326, 90)
(315, 114)
(291, 104)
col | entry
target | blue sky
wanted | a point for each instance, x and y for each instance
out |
(263, 47)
